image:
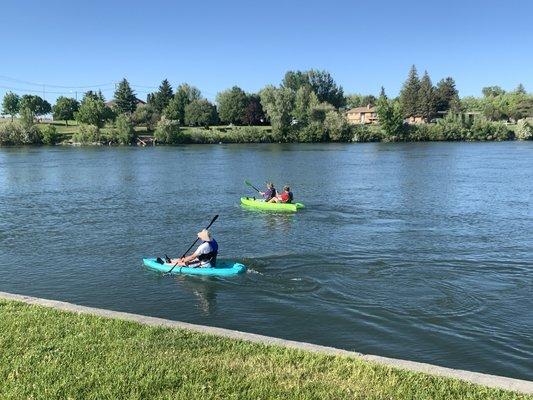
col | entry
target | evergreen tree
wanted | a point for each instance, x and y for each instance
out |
(447, 96)
(409, 94)
(125, 100)
(160, 99)
(382, 93)
(520, 89)
(426, 98)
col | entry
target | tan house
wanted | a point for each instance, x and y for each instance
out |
(362, 115)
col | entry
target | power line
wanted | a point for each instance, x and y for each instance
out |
(8, 78)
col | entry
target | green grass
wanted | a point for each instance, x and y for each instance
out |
(50, 354)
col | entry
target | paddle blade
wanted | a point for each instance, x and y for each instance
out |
(247, 183)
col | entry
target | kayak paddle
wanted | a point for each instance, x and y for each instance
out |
(249, 184)
(192, 245)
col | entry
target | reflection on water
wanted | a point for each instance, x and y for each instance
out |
(417, 251)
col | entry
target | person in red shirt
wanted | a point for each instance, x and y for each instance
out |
(285, 197)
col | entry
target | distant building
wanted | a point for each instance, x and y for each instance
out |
(362, 115)
(415, 120)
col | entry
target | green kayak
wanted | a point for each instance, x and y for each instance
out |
(261, 205)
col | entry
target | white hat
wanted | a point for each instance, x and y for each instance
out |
(205, 235)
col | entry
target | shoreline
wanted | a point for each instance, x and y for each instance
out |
(491, 381)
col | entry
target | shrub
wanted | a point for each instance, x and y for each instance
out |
(337, 127)
(125, 133)
(314, 132)
(366, 133)
(524, 130)
(87, 134)
(169, 132)
(50, 135)
(14, 133)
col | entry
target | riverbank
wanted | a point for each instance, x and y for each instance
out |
(56, 132)
(50, 353)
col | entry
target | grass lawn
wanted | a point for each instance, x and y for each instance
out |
(50, 354)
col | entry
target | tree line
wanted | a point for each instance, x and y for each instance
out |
(307, 106)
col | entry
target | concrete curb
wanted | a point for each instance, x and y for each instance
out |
(493, 381)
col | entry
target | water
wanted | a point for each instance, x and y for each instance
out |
(415, 251)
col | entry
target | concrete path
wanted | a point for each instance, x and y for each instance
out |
(493, 381)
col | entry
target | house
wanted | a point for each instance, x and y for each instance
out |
(362, 115)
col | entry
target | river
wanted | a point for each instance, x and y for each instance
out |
(420, 251)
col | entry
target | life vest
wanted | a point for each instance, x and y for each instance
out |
(212, 255)
(286, 197)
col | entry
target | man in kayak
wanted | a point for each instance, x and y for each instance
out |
(270, 193)
(285, 197)
(205, 255)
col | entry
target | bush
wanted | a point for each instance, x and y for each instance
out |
(125, 134)
(14, 133)
(50, 135)
(482, 129)
(337, 127)
(87, 134)
(366, 133)
(314, 132)
(524, 130)
(169, 132)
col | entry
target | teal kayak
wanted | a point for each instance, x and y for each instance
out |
(223, 268)
(262, 205)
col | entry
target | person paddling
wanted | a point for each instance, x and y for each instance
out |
(270, 193)
(285, 197)
(205, 255)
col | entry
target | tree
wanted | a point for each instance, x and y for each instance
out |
(409, 94)
(390, 116)
(294, 80)
(426, 98)
(360, 100)
(93, 111)
(185, 94)
(492, 91)
(124, 130)
(232, 105)
(11, 104)
(200, 113)
(337, 127)
(125, 100)
(278, 105)
(65, 108)
(304, 102)
(35, 104)
(447, 96)
(325, 88)
(160, 99)
(520, 89)
(145, 114)
(254, 114)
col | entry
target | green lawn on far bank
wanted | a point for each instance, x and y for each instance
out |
(50, 354)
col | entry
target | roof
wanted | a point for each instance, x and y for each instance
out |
(362, 110)
(110, 103)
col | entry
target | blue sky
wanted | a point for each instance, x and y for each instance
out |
(215, 45)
